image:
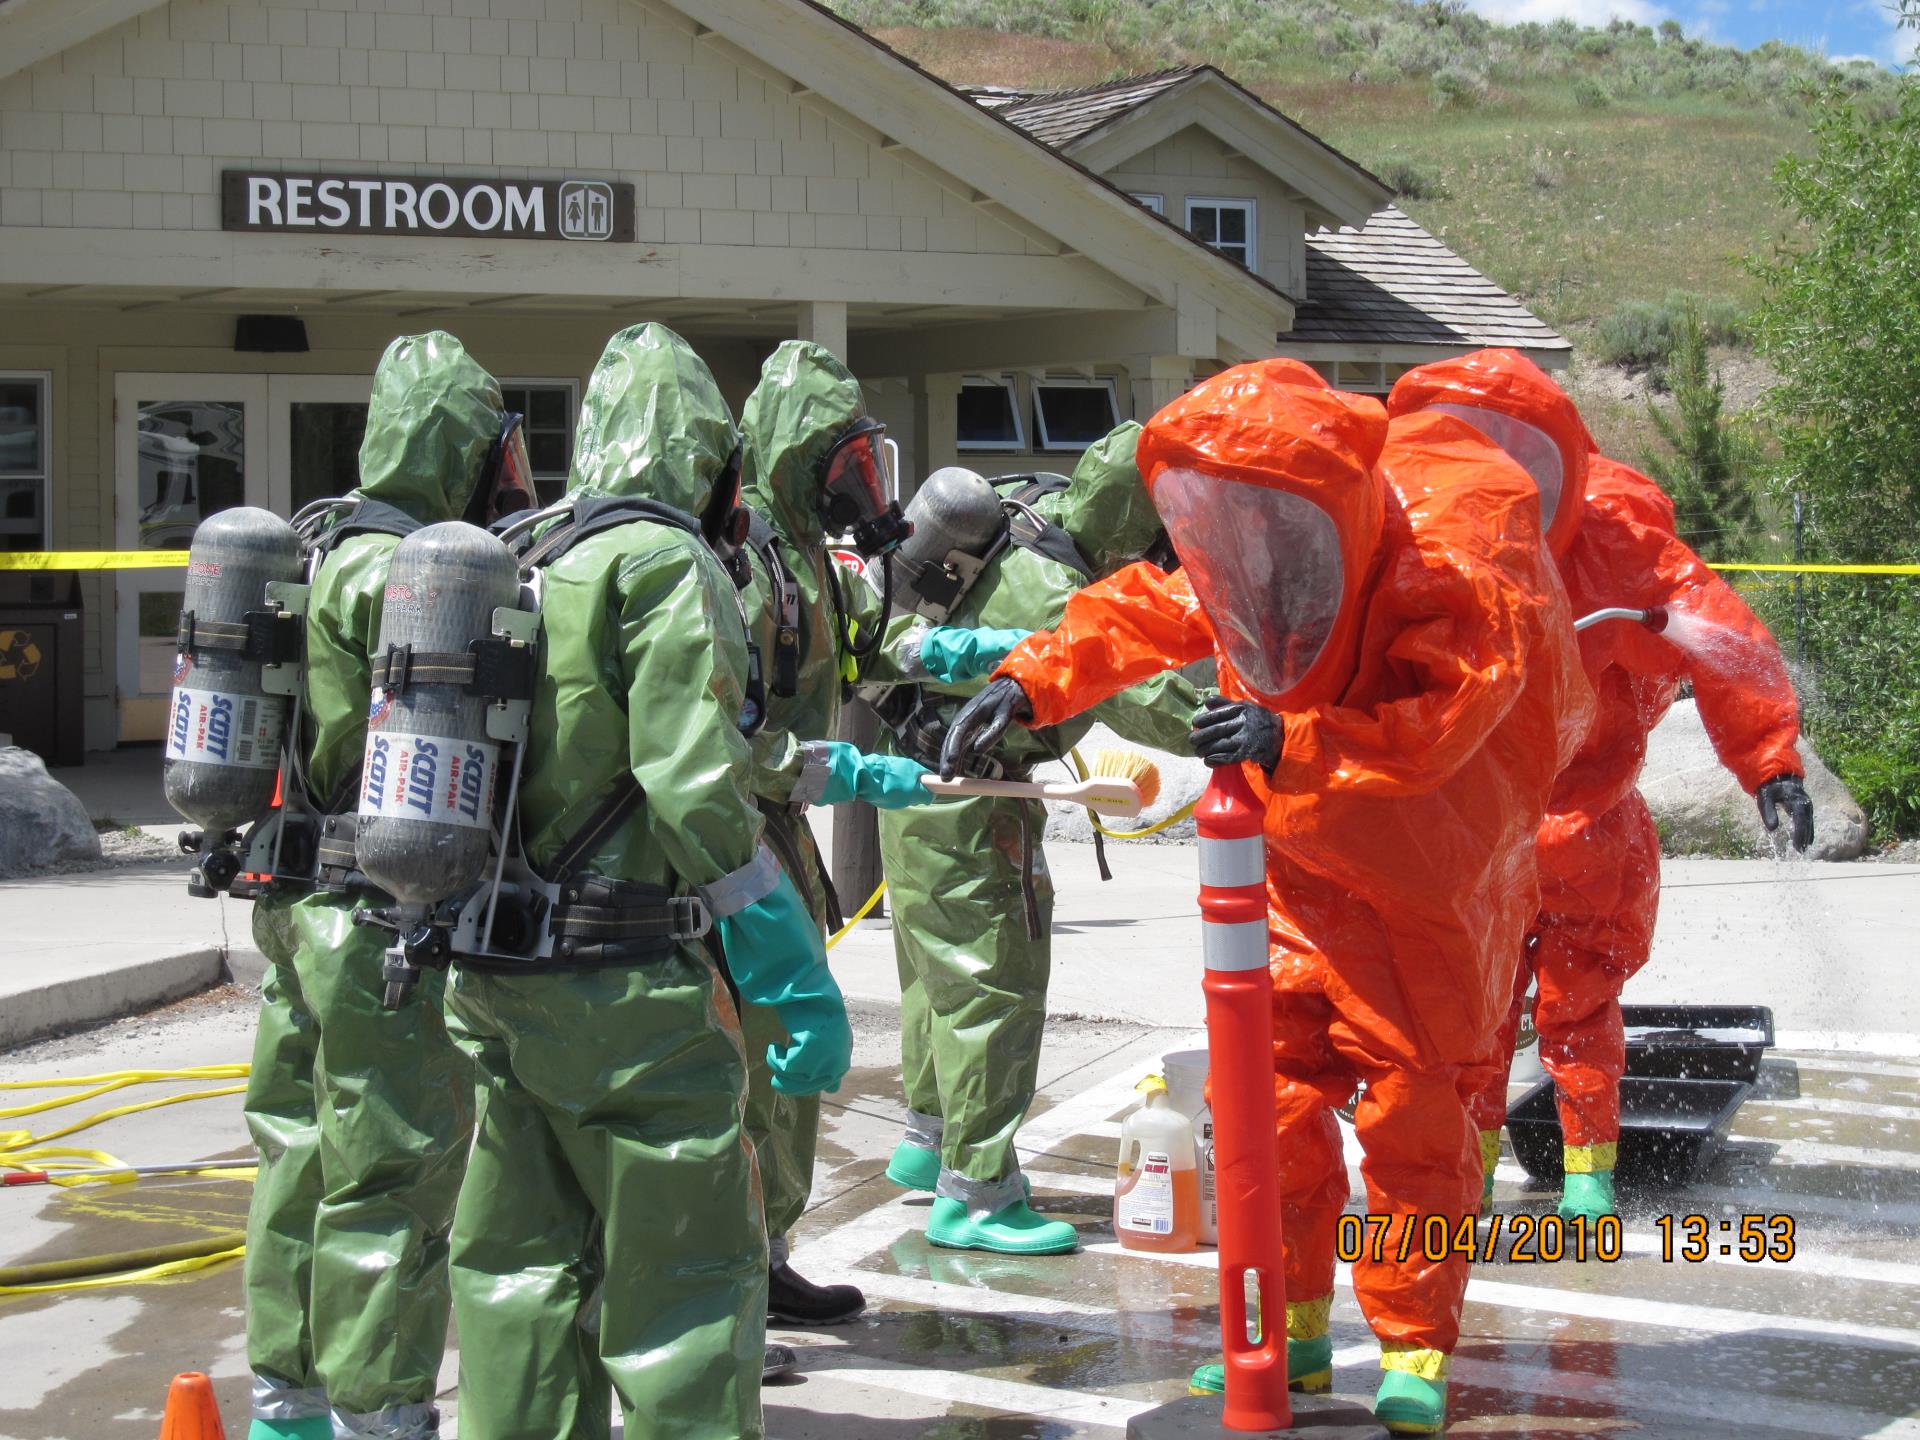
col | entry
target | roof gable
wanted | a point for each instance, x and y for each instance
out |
(1103, 125)
(908, 105)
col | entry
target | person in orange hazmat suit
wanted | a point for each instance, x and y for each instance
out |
(1599, 857)
(1393, 693)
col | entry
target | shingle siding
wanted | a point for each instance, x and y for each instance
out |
(132, 127)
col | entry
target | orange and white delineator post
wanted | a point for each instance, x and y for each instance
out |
(1239, 986)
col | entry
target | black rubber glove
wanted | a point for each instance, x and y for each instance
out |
(1789, 793)
(1230, 732)
(981, 722)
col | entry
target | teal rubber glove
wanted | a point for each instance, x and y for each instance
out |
(891, 782)
(776, 959)
(950, 654)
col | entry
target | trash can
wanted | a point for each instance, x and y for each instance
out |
(41, 653)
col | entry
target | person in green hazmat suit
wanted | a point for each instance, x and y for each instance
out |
(361, 1114)
(812, 468)
(610, 1231)
(972, 900)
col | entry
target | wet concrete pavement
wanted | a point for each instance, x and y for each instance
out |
(977, 1347)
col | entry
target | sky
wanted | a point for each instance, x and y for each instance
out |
(1840, 28)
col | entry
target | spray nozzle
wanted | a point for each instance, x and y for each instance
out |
(1656, 618)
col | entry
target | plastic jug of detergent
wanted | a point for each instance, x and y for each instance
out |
(1186, 1072)
(1156, 1193)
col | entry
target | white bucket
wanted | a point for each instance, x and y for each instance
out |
(1186, 1075)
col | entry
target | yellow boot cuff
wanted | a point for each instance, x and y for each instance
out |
(1586, 1159)
(1489, 1151)
(1309, 1319)
(1426, 1364)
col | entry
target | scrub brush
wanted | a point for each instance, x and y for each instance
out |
(1128, 765)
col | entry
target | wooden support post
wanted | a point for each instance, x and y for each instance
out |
(856, 826)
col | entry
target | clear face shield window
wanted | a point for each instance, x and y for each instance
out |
(1527, 445)
(1266, 566)
(854, 491)
(506, 478)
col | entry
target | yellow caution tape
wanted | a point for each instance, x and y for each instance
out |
(1822, 569)
(93, 559)
(175, 559)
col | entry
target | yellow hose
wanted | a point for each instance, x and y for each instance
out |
(92, 1272)
(858, 915)
(23, 1150)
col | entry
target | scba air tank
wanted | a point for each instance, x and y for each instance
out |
(223, 734)
(956, 518)
(428, 782)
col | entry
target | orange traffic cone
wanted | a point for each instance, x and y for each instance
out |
(192, 1413)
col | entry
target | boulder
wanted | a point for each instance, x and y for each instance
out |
(42, 823)
(1701, 808)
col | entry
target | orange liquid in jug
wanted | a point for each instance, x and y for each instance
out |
(1185, 1234)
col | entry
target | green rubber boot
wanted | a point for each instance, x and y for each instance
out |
(1015, 1230)
(913, 1167)
(307, 1427)
(1408, 1405)
(1309, 1370)
(1587, 1196)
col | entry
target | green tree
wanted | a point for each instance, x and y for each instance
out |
(1841, 323)
(1706, 464)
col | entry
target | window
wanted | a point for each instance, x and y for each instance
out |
(1365, 377)
(989, 417)
(549, 408)
(1226, 225)
(1156, 203)
(26, 459)
(1073, 414)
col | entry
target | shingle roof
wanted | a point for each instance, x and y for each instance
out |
(1392, 283)
(1388, 283)
(1060, 117)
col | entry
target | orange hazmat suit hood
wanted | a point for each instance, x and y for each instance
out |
(1264, 476)
(1514, 403)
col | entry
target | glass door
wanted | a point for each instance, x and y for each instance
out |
(315, 425)
(189, 446)
(186, 447)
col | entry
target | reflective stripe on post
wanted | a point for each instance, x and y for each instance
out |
(1239, 986)
(1241, 946)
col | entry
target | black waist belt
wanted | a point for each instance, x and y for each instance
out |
(920, 730)
(600, 922)
(335, 864)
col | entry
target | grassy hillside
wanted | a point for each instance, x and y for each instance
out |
(1578, 168)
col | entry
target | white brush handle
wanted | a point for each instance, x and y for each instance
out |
(1107, 795)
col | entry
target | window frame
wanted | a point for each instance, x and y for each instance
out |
(552, 382)
(1002, 447)
(1151, 200)
(44, 475)
(1042, 442)
(1243, 203)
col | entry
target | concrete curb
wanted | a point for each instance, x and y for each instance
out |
(246, 966)
(82, 1000)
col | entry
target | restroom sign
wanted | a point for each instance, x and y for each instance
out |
(426, 206)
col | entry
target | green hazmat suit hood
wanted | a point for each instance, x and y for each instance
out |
(804, 402)
(1106, 508)
(653, 423)
(433, 418)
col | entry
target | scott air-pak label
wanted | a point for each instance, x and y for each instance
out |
(429, 777)
(211, 727)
